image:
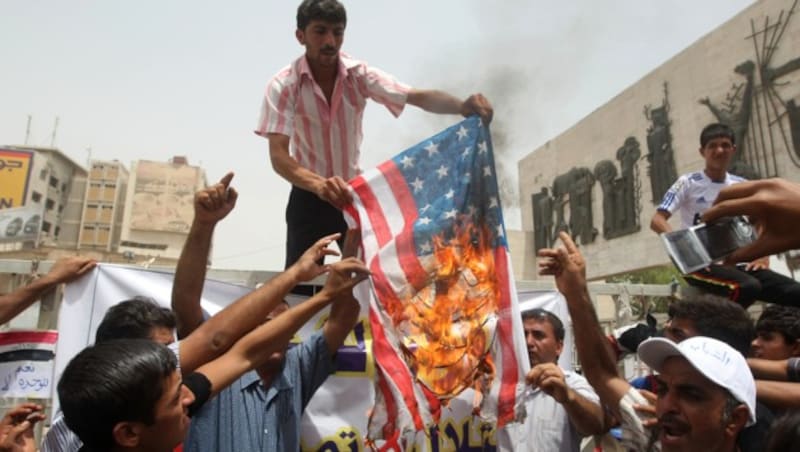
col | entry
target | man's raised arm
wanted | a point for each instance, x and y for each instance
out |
(216, 335)
(598, 364)
(256, 347)
(211, 205)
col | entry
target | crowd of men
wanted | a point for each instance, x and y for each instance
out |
(156, 379)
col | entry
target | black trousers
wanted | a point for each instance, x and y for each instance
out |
(745, 287)
(308, 219)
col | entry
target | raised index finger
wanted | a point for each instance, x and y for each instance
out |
(226, 179)
(568, 243)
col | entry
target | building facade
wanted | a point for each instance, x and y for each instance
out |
(103, 206)
(603, 178)
(159, 207)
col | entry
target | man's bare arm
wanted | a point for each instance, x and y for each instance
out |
(345, 308)
(660, 222)
(64, 270)
(436, 101)
(253, 349)
(211, 205)
(598, 364)
(778, 395)
(768, 369)
(333, 189)
(215, 336)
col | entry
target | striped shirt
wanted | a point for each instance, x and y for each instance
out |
(326, 138)
(693, 194)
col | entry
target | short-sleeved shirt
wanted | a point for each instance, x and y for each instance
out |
(547, 425)
(246, 416)
(692, 194)
(60, 438)
(325, 138)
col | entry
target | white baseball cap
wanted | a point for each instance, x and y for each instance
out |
(716, 360)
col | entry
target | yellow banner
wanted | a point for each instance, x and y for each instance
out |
(15, 169)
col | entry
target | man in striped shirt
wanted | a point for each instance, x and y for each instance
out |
(312, 113)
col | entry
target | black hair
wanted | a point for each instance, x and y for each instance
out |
(781, 319)
(716, 130)
(785, 433)
(134, 319)
(330, 11)
(718, 318)
(113, 382)
(543, 314)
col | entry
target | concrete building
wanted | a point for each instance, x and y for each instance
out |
(159, 207)
(603, 178)
(103, 206)
(42, 192)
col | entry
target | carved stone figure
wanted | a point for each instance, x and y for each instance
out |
(581, 222)
(736, 113)
(660, 155)
(542, 219)
(620, 194)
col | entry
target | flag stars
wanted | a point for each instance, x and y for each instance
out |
(424, 221)
(462, 133)
(425, 208)
(482, 148)
(426, 247)
(432, 149)
(493, 202)
(407, 162)
(442, 171)
(487, 170)
(466, 152)
(450, 214)
(499, 229)
(417, 184)
(450, 194)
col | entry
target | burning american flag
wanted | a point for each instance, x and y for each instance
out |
(443, 308)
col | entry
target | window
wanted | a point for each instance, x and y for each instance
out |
(58, 229)
(43, 174)
(36, 196)
(46, 227)
(53, 182)
(64, 186)
(49, 204)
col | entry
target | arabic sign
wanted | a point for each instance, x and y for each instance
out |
(163, 198)
(15, 169)
(26, 363)
(20, 223)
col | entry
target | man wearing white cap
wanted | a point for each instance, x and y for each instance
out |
(706, 391)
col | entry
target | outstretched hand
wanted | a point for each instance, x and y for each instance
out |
(67, 269)
(214, 203)
(566, 264)
(344, 275)
(773, 205)
(311, 263)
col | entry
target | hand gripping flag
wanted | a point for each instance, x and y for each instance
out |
(443, 308)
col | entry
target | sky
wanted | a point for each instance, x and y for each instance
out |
(153, 79)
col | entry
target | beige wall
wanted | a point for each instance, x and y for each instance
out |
(705, 69)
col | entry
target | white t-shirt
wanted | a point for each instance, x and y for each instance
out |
(547, 426)
(692, 194)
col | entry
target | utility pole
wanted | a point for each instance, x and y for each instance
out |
(53, 136)
(28, 130)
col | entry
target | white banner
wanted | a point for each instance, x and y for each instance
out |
(336, 418)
